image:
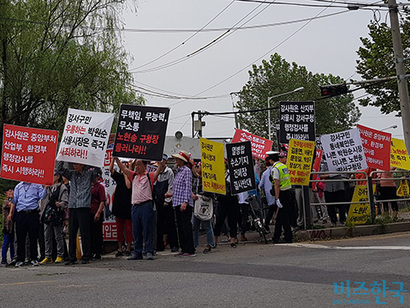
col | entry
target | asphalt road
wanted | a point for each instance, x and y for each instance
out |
(251, 275)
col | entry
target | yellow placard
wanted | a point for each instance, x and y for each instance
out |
(213, 166)
(403, 190)
(300, 159)
(359, 213)
(399, 157)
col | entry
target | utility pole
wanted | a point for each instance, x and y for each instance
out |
(401, 72)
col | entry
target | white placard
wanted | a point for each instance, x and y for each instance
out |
(85, 137)
(344, 151)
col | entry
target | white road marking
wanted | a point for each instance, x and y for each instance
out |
(317, 246)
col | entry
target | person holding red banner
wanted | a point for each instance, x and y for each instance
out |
(26, 215)
(142, 206)
(79, 204)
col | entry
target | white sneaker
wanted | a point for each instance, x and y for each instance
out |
(19, 264)
(34, 262)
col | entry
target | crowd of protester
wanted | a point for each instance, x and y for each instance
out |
(154, 211)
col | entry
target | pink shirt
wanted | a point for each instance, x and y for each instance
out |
(386, 179)
(141, 189)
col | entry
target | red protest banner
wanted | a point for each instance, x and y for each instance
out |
(28, 154)
(259, 145)
(316, 166)
(376, 145)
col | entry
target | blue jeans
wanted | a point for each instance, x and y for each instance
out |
(143, 227)
(196, 223)
(8, 241)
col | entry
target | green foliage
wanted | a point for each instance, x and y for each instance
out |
(60, 54)
(278, 76)
(376, 60)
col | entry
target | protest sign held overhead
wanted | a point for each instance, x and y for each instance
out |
(240, 164)
(300, 158)
(399, 157)
(344, 151)
(28, 154)
(85, 137)
(141, 132)
(376, 145)
(297, 121)
(259, 145)
(213, 166)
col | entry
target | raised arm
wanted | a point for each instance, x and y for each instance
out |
(124, 169)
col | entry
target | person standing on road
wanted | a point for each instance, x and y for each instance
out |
(266, 185)
(165, 211)
(121, 209)
(198, 192)
(79, 204)
(283, 195)
(142, 206)
(98, 199)
(183, 203)
(56, 199)
(24, 207)
(8, 230)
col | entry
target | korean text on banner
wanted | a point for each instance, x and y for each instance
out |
(28, 154)
(344, 151)
(141, 132)
(85, 137)
(259, 145)
(213, 166)
(241, 173)
(297, 121)
(300, 159)
(399, 157)
(359, 213)
(316, 167)
(376, 145)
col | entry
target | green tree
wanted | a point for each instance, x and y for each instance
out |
(61, 54)
(277, 76)
(376, 60)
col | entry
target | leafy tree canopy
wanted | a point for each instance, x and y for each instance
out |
(376, 60)
(277, 76)
(60, 54)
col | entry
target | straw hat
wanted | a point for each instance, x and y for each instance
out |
(182, 155)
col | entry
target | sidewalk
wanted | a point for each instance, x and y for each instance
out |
(328, 232)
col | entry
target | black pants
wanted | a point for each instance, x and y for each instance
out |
(184, 222)
(244, 217)
(96, 235)
(388, 193)
(79, 218)
(27, 223)
(227, 207)
(166, 225)
(336, 196)
(284, 217)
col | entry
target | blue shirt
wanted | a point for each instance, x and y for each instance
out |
(27, 196)
(266, 185)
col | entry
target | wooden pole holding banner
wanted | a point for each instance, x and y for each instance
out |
(79, 255)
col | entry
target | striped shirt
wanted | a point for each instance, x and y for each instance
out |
(80, 186)
(182, 187)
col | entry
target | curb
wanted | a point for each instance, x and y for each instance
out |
(362, 230)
